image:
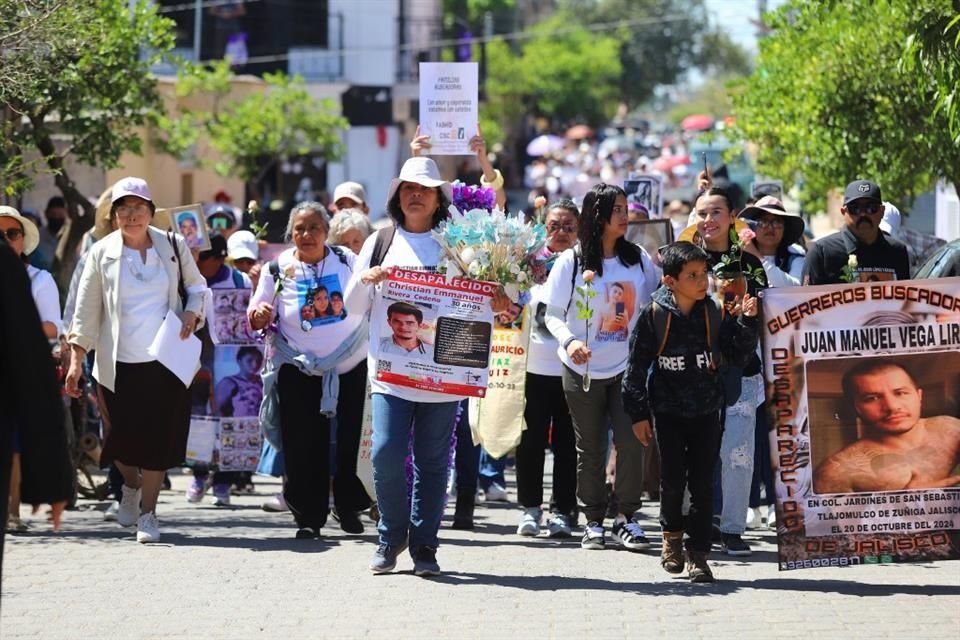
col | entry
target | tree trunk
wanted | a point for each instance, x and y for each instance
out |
(66, 258)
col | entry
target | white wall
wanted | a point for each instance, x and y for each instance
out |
(370, 25)
(369, 164)
(948, 211)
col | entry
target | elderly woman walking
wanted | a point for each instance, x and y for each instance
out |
(132, 279)
(318, 370)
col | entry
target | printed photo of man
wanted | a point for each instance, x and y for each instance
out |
(899, 449)
(405, 321)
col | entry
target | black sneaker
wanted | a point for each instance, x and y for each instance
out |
(734, 545)
(385, 557)
(425, 562)
(631, 535)
(349, 522)
(594, 537)
(307, 533)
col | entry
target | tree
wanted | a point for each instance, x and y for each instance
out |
(251, 134)
(828, 101)
(79, 70)
(933, 52)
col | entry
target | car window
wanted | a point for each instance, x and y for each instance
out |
(937, 264)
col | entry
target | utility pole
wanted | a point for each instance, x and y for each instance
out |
(197, 28)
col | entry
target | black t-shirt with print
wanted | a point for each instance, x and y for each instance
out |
(885, 259)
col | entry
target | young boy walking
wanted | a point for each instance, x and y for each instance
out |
(681, 341)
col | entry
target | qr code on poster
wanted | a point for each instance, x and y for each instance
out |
(384, 366)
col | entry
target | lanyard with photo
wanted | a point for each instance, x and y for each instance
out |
(312, 291)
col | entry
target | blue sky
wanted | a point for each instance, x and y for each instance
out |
(735, 16)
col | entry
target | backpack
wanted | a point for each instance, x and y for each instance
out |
(713, 316)
(274, 267)
(381, 245)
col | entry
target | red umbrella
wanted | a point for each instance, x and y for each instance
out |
(697, 123)
(666, 163)
(579, 132)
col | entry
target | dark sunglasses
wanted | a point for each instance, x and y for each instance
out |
(863, 209)
(13, 234)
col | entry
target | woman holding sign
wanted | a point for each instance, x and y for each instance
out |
(417, 201)
(132, 279)
(318, 370)
(604, 271)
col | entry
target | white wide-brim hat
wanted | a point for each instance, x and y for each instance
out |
(31, 235)
(423, 171)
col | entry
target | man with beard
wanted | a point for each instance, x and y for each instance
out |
(861, 251)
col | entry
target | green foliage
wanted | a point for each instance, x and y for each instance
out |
(80, 71)
(829, 101)
(283, 121)
(584, 312)
(564, 76)
(713, 98)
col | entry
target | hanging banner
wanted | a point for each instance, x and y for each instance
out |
(436, 332)
(863, 395)
(497, 420)
(449, 106)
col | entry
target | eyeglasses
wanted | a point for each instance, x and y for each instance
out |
(13, 234)
(864, 209)
(131, 211)
(555, 228)
(312, 229)
(776, 223)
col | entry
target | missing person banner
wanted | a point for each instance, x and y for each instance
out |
(449, 106)
(497, 420)
(863, 397)
(435, 333)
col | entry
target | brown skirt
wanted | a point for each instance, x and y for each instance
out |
(147, 418)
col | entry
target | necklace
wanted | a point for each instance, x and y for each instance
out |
(305, 324)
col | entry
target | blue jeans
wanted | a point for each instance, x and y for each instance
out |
(736, 458)
(432, 426)
(468, 456)
(491, 470)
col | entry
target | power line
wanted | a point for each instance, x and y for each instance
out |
(510, 36)
(191, 6)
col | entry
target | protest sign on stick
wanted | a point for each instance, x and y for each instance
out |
(863, 399)
(449, 106)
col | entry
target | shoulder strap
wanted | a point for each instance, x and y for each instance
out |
(181, 287)
(381, 245)
(238, 282)
(713, 316)
(661, 318)
(340, 254)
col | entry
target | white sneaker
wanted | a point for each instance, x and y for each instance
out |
(110, 515)
(772, 516)
(754, 519)
(558, 526)
(496, 493)
(129, 509)
(529, 522)
(148, 529)
(275, 504)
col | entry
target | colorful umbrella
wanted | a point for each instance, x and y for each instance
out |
(697, 123)
(544, 145)
(579, 132)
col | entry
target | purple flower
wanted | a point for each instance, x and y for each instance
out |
(467, 197)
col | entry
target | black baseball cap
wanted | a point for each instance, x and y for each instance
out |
(218, 248)
(861, 190)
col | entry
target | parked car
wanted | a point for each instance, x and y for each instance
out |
(942, 263)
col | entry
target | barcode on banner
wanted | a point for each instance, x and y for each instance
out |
(384, 366)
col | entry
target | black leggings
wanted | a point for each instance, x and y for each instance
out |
(546, 407)
(305, 434)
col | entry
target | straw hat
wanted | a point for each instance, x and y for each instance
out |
(690, 234)
(31, 235)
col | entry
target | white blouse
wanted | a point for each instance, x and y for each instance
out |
(143, 303)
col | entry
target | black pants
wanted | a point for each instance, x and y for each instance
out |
(546, 406)
(762, 465)
(688, 452)
(305, 434)
(467, 459)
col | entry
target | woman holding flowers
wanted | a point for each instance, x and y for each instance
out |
(417, 201)
(594, 360)
(717, 230)
(546, 409)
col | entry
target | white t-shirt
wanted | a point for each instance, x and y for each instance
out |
(621, 292)
(144, 290)
(418, 251)
(45, 296)
(542, 356)
(312, 296)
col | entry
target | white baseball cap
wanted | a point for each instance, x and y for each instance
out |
(352, 191)
(243, 245)
(131, 186)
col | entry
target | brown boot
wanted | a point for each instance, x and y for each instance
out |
(671, 554)
(697, 568)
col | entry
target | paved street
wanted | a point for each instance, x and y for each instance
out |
(238, 573)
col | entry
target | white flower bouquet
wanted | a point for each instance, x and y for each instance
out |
(492, 246)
